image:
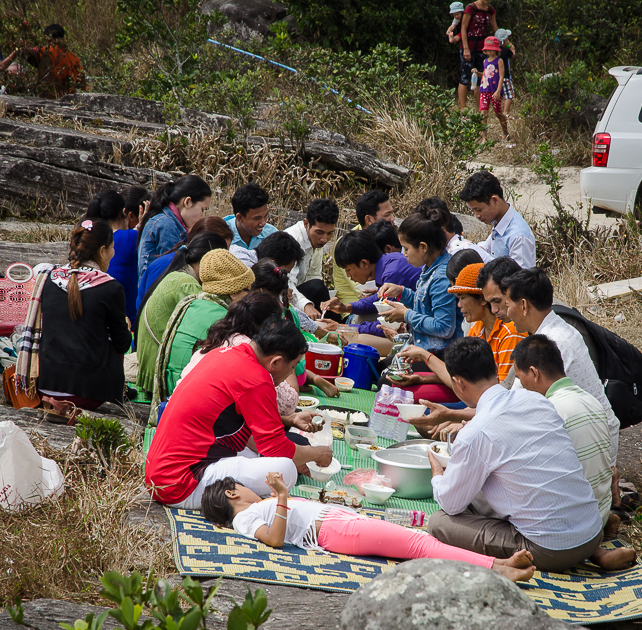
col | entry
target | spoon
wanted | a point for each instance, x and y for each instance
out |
(448, 447)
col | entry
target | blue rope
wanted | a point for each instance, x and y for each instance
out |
(289, 69)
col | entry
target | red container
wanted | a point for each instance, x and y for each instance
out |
(324, 359)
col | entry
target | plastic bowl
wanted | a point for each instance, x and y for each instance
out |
(393, 325)
(359, 435)
(314, 403)
(377, 494)
(382, 307)
(323, 474)
(371, 285)
(366, 451)
(442, 457)
(411, 411)
(344, 384)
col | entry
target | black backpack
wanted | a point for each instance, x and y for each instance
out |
(618, 364)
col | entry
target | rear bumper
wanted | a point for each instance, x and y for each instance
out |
(610, 189)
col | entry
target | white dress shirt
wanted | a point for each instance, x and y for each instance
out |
(310, 267)
(518, 453)
(580, 369)
(457, 243)
(513, 237)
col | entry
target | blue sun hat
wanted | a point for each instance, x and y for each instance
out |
(502, 34)
(457, 7)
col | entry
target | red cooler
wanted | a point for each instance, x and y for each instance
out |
(324, 359)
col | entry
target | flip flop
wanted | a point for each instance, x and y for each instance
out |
(59, 411)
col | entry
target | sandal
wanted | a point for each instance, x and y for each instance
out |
(59, 411)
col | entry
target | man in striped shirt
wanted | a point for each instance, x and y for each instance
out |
(519, 455)
(540, 368)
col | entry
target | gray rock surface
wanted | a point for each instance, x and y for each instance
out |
(255, 14)
(443, 594)
(47, 614)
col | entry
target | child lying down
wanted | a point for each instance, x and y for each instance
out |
(311, 525)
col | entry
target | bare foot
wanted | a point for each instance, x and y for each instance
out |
(513, 574)
(521, 559)
(614, 559)
(326, 387)
(612, 526)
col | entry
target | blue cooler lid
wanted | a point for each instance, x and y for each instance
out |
(361, 350)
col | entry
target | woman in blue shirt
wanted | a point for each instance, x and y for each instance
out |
(110, 206)
(430, 312)
(173, 210)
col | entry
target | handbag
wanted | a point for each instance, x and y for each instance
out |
(18, 398)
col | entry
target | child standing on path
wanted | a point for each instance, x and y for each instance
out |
(507, 54)
(492, 82)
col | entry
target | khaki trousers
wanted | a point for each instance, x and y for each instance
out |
(499, 538)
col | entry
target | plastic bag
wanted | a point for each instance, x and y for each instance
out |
(320, 438)
(365, 475)
(26, 478)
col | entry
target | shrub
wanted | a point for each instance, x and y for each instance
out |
(105, 436)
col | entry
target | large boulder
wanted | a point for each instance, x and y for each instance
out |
(257, 15)
(443, 595)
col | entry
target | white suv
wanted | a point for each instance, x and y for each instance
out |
(613, 185)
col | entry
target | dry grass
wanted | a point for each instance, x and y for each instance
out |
(60, 548)
(37, 234)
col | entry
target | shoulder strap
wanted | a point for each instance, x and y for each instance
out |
(149, 330)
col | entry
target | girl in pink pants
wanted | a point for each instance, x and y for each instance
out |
(312, 525)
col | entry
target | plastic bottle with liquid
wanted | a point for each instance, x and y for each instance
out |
(474, 79)
(402, 426)
(379, 409)
(407, 518)
(390, 427)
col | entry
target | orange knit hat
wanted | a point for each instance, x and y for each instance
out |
(467, 279)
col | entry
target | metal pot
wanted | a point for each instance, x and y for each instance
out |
(409, 472)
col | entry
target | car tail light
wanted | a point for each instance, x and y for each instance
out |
(601, 146)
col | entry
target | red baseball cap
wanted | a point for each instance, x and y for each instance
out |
(492, 43)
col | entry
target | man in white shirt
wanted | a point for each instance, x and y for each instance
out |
(529, 305)
(511, 235)
(517, 452)
(313, 233)
(540, 368)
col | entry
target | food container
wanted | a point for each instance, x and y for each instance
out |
(440, 451)
(354, 435)
(344, 384)
(409, 472)
(393, 325)
(371, 285)
(397, 370)
(411, 411)
(350, 332)
(307, 403)
(360, 364)
(324, 359)
(366, 450)
(382, 306)
(323, 474)
(377, 494)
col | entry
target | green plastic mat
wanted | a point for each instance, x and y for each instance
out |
(348, 456)
(359, 399)
(141, 397)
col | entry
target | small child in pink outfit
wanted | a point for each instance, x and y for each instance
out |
(492, 81)
(322, 526)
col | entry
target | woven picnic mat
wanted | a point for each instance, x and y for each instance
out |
(357, 399)
(583, 595)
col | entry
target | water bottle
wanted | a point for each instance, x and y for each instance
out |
(407, 518)
(390, 415)
(402, 426)
(473, 81)
(378, 410)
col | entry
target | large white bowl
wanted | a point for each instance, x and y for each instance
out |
(382, 307)
(393, 325)
(377, 494)
(323, 474)
(443, 458)
(411, 411)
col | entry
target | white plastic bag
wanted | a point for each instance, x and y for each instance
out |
(25, 477)
(320, 438)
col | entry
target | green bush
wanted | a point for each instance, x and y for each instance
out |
(104, 435)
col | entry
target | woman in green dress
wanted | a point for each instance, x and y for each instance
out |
(180, 279)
